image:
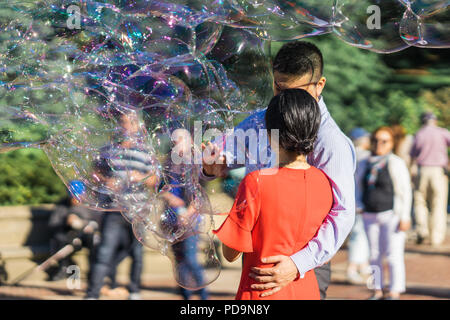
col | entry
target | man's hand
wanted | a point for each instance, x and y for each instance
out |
(214, 164)
(280, 275)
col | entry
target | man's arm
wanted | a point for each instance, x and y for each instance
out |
(336, 157)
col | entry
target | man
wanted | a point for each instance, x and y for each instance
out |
(300, 65)
(123, 161)
(68, 221)
(429, 163)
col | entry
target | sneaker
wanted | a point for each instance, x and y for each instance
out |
(366, 271)
(134, 296)
(354, 277)
(376, 297)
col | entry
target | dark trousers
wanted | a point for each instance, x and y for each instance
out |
(188, 268)
(116, 233)
(323, 275)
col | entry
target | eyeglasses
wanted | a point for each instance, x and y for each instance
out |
(381, 141)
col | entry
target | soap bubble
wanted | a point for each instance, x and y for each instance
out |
(145, 235)
(274, 20)
(426, 30)
(372, 25)
(246, 62)
(194, 261)
(425, 7)
(121, 95)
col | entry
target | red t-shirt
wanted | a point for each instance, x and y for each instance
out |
(277, 213)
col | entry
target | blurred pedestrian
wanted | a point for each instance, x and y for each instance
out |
(122, 159)
(185, 216)
(358, 246)
(68, 221)
(403, 143)
(384, 195)
(185, 253)
(430, 163)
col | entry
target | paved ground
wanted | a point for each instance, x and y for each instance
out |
(427, 271)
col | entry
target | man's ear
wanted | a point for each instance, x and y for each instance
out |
(320, 86)
(275, 88)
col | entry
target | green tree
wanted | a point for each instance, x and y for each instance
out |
(26, 177)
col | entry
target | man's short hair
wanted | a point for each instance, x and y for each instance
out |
(299, 58)
(427, 116)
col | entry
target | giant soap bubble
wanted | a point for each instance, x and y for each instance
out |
(120, 95)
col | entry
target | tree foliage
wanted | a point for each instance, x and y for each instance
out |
(26, 177)
(363, 89)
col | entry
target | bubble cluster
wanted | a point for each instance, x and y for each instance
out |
(114, 92)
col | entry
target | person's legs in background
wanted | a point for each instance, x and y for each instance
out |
(120, 255)
(396, 262)
(421, 185)
(392, 247)
(193, 264)
(136, 251)
(110, 239)
(372, 227)
(90, 241)
(179, 253)
(358, 252)
(439, 197)
(190, 271)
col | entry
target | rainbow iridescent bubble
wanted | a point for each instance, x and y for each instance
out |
(87, 81)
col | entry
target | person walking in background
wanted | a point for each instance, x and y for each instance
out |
(430, 161)
(122, 157)
(185, 216)
(185, 253)
(358, 246)
(384, 196)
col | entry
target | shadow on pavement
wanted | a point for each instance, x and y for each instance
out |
(33, 291)
(429, 291)
(14, 297)
(427, 252)
(174, 290)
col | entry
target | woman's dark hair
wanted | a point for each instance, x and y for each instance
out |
(297, 116)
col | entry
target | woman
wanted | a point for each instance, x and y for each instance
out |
(384, 196)
(277, 211)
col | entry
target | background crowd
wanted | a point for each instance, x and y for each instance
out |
(399, 178)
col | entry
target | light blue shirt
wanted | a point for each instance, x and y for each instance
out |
(335, 155)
